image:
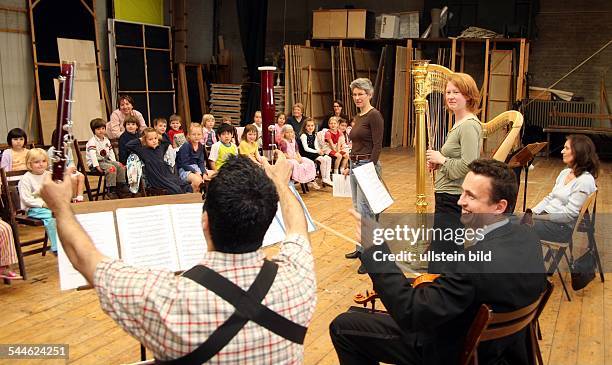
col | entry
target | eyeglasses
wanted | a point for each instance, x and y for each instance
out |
(359, 95)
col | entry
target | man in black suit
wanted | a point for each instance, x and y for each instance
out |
(428, 324)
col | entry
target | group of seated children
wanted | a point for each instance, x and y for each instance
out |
(326, 146)
(168, 160)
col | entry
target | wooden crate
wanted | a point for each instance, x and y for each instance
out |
(360, 24)
(329, 24)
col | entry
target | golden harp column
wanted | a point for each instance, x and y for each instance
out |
(419, 73)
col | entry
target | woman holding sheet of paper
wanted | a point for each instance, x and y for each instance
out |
(461, 147)
(367, 136)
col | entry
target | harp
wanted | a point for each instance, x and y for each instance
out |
(433, 121)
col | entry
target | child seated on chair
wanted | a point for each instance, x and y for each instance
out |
(176, 134)
(335, 145)
(248, 145)
(304, 169)
(13, 158)
(77, 178)
(8, 254)
(209, 137)
(101, 157)
(281, 119)
(151, 152)
(224, 148)
(227, 120)
(131, 125)
(160, 125)
(344, 136)
(314, 151)
(191, 159)
(258, 123)
(29, 189)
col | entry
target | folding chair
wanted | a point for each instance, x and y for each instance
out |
(15, 216)
(558, 250)
(488, 326)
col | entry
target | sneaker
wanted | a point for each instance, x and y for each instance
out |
(327, 182)
(314, 185)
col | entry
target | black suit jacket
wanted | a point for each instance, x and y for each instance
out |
(441, 313)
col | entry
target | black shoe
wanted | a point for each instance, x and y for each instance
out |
(353, 255)
(362, 269)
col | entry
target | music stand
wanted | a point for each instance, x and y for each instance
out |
(523, 159)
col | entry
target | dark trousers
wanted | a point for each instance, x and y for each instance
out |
(366, 338)
(447, 215)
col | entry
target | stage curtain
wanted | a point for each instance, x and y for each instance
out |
(252, 18)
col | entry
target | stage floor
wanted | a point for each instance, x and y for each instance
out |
(576, 332)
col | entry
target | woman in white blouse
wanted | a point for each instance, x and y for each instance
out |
(555, 216)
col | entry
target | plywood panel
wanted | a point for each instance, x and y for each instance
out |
(399, 98)
(48, 118)
(500, 83)
(316, 88)
(86, 93)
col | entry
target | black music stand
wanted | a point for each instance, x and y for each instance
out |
(523, 159)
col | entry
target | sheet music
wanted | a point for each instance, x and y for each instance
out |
(342, 186)
(190, 242)
(146, 237)
(376, 193)
(101, 229)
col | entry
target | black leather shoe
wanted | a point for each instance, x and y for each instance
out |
(353, 255)
(362, 269)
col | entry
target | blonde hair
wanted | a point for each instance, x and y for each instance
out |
(194, 125)
(207, 117)
(143, 138)
(467, 86)
(286, 128)
(35, 154)
(298, 105)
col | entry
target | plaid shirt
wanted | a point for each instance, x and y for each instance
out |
(173, 315)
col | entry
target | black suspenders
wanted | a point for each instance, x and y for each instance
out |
(248, 308)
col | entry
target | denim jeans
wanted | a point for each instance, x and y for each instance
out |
(360, 203)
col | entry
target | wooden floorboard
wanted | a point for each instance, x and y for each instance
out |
(574, 333)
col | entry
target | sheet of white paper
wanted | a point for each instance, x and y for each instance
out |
(146, 237)
(276, 232)
(188, 234)
(311, 225)
(101, 229)
(342, 186)
(376, 193)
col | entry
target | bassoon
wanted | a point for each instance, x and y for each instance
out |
(64, 121)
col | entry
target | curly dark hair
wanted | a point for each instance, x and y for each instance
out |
(241, 202)
(585, 155)
(503, 180)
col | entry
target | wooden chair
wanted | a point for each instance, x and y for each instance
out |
(488, 326)
(15, 216)
(558, 250)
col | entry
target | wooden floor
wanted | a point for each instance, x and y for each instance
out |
(576, 332)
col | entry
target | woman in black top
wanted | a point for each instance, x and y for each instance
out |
(338, 109)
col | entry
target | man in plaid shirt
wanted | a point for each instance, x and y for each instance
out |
(173, 315)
